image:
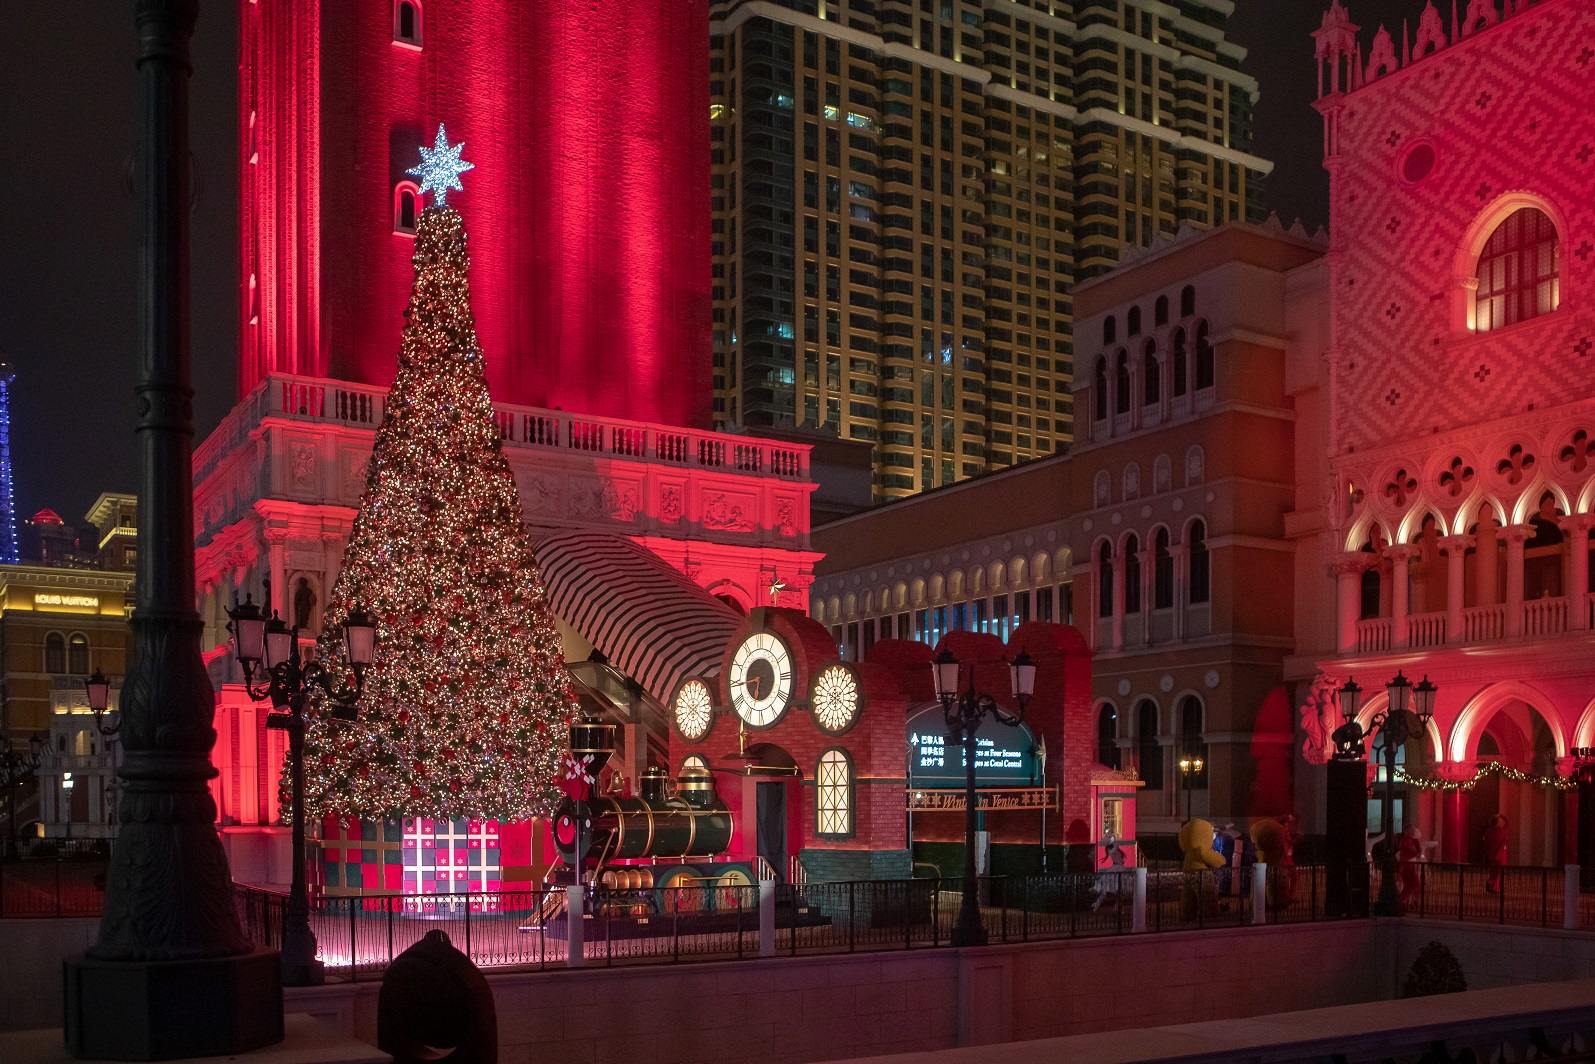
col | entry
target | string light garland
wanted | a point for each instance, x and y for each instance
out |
(1490, 768)
(466, 706)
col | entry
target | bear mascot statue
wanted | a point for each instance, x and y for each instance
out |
(1273, 850)
(1199, 890)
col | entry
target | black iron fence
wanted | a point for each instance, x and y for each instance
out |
(62, 886)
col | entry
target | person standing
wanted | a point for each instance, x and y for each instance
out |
(1496, 837)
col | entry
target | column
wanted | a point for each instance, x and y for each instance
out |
(1348, 570)
(1400, 557)
(1515, 536)
(1148, 580)
(1456, 550)
(1182, 568)
(1454, 812)
(277, 569)
(1576, 528)
(1117, 637)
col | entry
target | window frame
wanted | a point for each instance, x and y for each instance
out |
(415, 40)
(850, 789)
(399, 191)
(1515, 295)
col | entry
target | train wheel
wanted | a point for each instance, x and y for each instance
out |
(679, 890)
(731, 891)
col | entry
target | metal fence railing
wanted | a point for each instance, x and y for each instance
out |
(59, 887)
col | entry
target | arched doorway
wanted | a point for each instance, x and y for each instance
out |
(1516, 736)
(776, 810)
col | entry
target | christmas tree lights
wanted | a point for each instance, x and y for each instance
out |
(465, 708)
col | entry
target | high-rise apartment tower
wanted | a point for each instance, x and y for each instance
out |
(905, 190)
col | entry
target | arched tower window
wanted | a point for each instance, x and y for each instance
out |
(1191, 744)
(1160, 311)
(1132, 575)
(407, 22)
(1204, 358)
(1201, 578)
(1099, 385)
(1162, 572)
(406, 208)
(1121, 384)
(1151, 376)
(1110, 330)
(77, 654)
(1105, 581)
(1107, 733)
(1150, 751)
(1518, 271)
(1179, 362)
(1133, 322)
(833, 795)
(55, 653)
(1187, 301)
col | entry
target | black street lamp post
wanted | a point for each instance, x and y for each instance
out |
(963, 710)
(19, 766)
(1406, 717)
(1190, 768)
(272, 648)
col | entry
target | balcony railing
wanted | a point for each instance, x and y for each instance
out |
(336, 402)
(1480, 624)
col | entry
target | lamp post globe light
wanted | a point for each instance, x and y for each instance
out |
(19, 765)
(269, 649)
(1409, 710)
(963, 709)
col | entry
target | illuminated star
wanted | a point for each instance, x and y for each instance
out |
(777, 586)
(441, 167)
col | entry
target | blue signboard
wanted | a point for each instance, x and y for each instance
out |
(1004, 757)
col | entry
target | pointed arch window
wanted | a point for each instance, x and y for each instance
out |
(1519, 271)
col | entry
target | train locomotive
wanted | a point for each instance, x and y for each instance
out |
(640, 848)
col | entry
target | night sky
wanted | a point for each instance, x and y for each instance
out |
(68, 260)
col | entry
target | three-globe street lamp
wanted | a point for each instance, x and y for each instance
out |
(963, 710)
(1406, 717)
(19, 765)
(273, 648)
(1190, 768)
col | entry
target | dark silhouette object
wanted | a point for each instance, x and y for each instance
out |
(435, 1005)
(1496, 836)
(1436, 970)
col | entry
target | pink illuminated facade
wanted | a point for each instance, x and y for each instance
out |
(588, 208)
(1446, 530)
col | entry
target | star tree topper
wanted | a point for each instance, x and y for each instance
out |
(441, 167)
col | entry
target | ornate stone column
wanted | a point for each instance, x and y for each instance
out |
(1515, 536)
(1456, 551)
(172, 973)
(1400, 557)
(1348, 570)
(1576, 528)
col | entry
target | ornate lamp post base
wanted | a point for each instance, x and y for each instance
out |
(969, 936)
(163, 1010)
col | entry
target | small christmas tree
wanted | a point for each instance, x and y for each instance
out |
(465, 708)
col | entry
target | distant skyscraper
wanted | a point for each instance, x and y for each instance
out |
(904, 194)
(8, 508)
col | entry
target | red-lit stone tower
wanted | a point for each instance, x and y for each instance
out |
(589, 210)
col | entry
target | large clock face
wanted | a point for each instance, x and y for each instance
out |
(761, 680)
(835, 701)
(694, 710)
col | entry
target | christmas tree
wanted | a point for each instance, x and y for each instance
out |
(465, 708)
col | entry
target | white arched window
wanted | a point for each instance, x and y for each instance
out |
(833, 795)
(1518, 272)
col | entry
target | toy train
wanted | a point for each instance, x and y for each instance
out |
(654, 827)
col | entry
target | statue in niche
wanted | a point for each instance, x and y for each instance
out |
(304, 604)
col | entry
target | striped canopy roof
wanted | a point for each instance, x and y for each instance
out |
(644, 615)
